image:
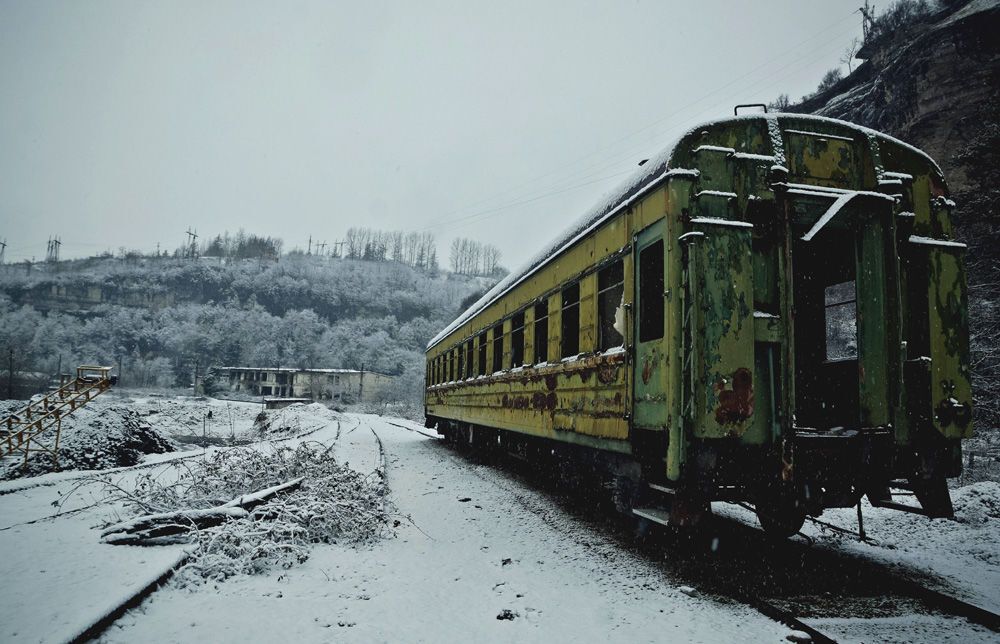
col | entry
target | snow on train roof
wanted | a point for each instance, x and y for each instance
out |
(650, 175)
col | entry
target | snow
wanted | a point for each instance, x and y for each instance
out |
(479, 558)
(477, 555)
(748, 156)
(930, 241)
(712, 221)
(713, 148)
(715, 193)
(962, 553)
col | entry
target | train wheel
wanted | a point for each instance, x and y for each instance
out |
(781, 522)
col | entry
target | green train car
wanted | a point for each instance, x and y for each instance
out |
(774, 310)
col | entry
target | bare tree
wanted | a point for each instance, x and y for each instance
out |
(780, 104)
(848, 57)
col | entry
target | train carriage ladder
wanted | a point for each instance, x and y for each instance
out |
(37, 426)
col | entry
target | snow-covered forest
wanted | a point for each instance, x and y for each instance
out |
(160, 317)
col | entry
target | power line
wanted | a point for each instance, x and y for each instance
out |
(564, 167)
(631, 152)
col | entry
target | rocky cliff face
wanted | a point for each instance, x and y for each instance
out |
(935, 83)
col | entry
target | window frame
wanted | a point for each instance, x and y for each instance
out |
(570, 320)
(541, 340)
(517, 339)
(612, 292)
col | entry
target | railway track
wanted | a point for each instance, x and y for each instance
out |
(944, 604)
(896, 591)
(785, 581)
(781, 607)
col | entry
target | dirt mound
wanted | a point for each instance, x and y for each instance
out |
(99, 436)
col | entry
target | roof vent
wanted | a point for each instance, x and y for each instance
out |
(736, 110)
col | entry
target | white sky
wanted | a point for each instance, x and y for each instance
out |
(124, 123)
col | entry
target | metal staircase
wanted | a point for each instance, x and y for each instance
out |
(37, 426)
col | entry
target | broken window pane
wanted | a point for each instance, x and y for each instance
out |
(610, 287)
(841, 321)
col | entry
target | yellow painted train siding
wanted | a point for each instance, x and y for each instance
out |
(579, 411)
(744, 188)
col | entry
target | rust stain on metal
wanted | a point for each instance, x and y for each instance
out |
(647, 371)
(736, 404)
(543, 401)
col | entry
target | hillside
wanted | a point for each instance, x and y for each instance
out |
(161, 317)
(934, 82)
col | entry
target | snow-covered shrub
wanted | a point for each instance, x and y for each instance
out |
(334, 504)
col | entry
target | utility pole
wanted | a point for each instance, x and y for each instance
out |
(52, 249)
(320, 248)
(338, 248)
(310, 251)
(157, 249)
(3, 249)
(361, 384)
(192, 238)
(867, 18)
(196, 365)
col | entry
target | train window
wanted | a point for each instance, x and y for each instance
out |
(610, 288)
(481, 338)
(542, 332)
(841, 321)
(461, 363)
(451, 366)
(651, 292)
(517, 340)
(498, 347)
(570, 321)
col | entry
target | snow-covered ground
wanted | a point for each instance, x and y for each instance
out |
(476, 556)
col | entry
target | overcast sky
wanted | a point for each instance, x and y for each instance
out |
(124, 123)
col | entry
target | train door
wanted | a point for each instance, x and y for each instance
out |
(650, 378)
(846, 317)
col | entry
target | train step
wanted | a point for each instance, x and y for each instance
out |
(656, 515)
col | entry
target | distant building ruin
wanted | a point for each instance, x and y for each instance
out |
(346, 385)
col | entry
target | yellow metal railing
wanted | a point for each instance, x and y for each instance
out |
(29, 428)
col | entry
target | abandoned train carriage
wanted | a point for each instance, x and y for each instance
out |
(774, 311)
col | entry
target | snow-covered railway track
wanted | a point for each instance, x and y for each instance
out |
(826, 594)
(104, 621)
(946, 607)
(107, 618)
(878, 593)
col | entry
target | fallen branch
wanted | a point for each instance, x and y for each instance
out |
(154, 527)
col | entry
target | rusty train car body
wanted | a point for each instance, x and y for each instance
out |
(773, 310)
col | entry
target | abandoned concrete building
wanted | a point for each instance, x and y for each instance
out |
(347, 385)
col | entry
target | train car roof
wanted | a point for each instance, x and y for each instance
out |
(650, 175)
